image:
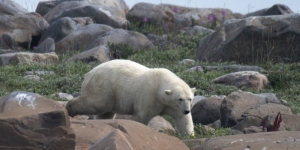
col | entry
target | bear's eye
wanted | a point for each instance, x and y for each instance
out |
(180, 99)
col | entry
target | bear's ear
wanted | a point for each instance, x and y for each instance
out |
(168, 92)
(193, 90)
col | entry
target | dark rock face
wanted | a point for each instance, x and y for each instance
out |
(207, 111)
(30, 121)
(277, 9)
(254, 40)
(60, 29)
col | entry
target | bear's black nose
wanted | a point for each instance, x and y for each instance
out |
(186, 112)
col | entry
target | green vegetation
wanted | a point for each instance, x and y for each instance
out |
(284, 79)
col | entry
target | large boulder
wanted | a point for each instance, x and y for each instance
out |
(235, 104)
(18, 30)
(9, 7)
(207, 110)
(133, 134)
(82, 38)
(27, 58)
(60, 29)
(267, 140)
(254, 40)
(119, 36)
(45, 6)
(277, 9)
(31, 121)
(107, 15)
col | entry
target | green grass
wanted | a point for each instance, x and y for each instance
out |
(284, 79)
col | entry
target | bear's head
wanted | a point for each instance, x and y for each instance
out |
(180, 98)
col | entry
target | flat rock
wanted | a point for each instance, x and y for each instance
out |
(28, 58)
(266, 140)
(132, 133)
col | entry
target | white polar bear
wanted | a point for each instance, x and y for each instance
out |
(126, 87)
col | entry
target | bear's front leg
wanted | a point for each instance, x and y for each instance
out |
(184, 124)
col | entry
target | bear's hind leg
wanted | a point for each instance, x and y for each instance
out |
(108, 115)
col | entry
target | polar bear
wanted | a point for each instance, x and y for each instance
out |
(126, 87)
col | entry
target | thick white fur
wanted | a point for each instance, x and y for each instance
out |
(126, 87)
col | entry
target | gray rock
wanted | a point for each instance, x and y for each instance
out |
(9, 7)
(119, 36)
(196, 69)
(197, 99)
(107, 15)
(45, 6)
(63, 96)
(236, 104)
(249, 79)
(206, 111)
(32, 77)
(99, 53)
(47, 46)
(19, 29)
(228, 43)
(277, 9)
(38, 72)
(81, 38)
(235, 68)
(28, 58)
(197, 30)
(59, 29)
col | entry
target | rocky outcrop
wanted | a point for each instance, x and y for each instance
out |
(254, 40)
(31, 121)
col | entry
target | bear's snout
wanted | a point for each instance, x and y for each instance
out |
(186, 112)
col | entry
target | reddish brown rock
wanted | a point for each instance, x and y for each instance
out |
(121, 132)
(30, 121)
